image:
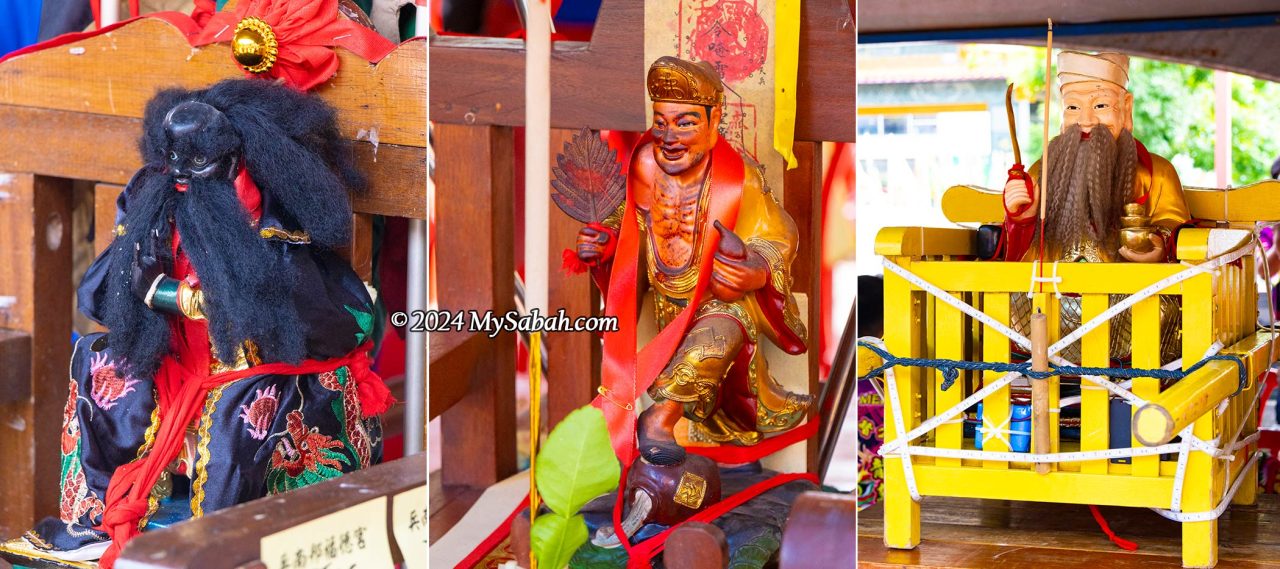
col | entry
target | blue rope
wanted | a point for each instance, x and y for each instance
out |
(951, 368)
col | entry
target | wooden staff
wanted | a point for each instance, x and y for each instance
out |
(1040, 389)
(1013, 124)
(537, 203)
(1044, 158)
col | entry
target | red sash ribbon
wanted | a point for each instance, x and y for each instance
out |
(181, 393)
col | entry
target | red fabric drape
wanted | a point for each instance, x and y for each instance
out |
(306, 31)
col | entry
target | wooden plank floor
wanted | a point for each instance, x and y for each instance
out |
(959, 533)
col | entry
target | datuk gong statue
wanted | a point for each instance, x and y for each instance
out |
(237, 345)
(1109, 199)
(1097, 167)
(700, 229)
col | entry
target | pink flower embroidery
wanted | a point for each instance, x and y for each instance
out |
(259, 414)
(108, 386)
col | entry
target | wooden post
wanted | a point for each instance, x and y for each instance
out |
(35, 299)
(1205, 477)
(902, 312)
(474, 178)
(802, 198)
(572, 357)
(1040, 389)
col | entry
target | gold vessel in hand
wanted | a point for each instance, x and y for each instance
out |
(1135, 229)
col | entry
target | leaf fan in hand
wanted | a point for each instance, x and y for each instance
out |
(588, 180)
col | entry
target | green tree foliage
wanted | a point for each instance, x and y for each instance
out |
(1173, 112)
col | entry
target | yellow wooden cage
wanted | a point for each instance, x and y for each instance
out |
(937, 304)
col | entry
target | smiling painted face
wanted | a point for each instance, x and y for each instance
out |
(683, 134)
(1091, 104)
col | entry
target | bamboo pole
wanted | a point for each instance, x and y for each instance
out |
(1167, 414)
(1040, 389)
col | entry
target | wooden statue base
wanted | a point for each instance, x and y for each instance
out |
(749, 536)
(963, 533)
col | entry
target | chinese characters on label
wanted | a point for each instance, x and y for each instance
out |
(352, 538)
(409, 524)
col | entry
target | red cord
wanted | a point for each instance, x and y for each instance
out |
(1120, 542)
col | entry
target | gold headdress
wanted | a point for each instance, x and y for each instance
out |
(678, 81)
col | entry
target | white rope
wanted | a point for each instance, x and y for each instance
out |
(907, 472)
(1146, 293)
(932, 423)
(901, 447)
(1054, 279)
(958, 304)
(1078, 456)
(1179, 475)
(996, 432)
(1222, 504)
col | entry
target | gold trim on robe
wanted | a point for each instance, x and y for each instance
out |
(765, 227)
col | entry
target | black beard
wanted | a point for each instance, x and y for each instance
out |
(139, 336)
(246, 281)
(1090, 181)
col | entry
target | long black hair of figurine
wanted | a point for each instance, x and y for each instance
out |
(290, 145)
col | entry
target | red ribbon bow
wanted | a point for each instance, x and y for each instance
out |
(306, 32)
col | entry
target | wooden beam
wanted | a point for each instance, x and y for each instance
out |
(232, 538)
(104, 215)
(55, 145)
(818, 530)
(453, 353)
(474, 178)
(803, 200)
(600, 84)
(118, 72)
(878, 16)
(35, 250)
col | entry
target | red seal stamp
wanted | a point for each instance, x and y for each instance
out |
(732, 36)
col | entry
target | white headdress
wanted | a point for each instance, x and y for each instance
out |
(1077, 66)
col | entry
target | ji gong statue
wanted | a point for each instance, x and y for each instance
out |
(701, 230)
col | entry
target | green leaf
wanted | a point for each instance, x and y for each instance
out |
(577, 463)
(554, 538)
(363, 319)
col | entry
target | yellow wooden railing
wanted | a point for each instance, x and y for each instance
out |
(1216, 307)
